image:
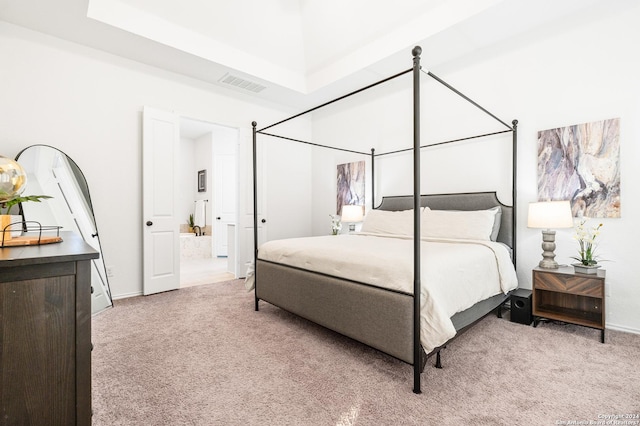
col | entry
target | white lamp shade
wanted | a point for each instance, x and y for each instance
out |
(550, 214)
(351, 213)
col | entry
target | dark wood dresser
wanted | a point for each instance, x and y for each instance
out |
(45, 339)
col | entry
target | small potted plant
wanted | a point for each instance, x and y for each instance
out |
(7, 219)
(13, 180)
(191, 223)
(586, 237)
(336, 225)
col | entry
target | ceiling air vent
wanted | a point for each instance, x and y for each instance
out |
(242, 83)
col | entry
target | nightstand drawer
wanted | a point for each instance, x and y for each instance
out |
(585, 286)
(549, 282)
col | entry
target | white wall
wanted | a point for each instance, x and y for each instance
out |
(203, 149)
(187, 178)
(579, 70)
(287, 162)
(195, 155)
(89, 104)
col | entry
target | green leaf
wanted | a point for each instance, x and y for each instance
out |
(14, 201)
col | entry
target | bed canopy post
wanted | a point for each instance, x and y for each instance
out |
(255, 215)
(373, 179)
(416, 220)
(514, 189)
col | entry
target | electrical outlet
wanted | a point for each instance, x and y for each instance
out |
(109, 271)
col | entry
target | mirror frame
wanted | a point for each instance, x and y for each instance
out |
(84, 189)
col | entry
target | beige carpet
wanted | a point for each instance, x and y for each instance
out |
(203, 356)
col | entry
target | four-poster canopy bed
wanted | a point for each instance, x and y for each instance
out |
(383, 303)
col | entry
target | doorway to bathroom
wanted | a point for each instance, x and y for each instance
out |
(208, 200)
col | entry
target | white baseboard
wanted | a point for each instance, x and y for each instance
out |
(126, 295)
(622, 328)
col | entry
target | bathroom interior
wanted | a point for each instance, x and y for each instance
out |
(207, 205)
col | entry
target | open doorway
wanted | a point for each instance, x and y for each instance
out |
(208, 200)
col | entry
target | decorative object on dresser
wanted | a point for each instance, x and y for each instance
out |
(13, 179)
(45, 330)
(521, 306)
(565, 295)
(548, 215)
(13, 182)
(14, 229)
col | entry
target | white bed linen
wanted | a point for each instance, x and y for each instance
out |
(455, 274)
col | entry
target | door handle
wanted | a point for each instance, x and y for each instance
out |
(264, 221)
(149, 223)
(218, 218)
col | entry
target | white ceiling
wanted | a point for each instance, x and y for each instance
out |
(303, 51)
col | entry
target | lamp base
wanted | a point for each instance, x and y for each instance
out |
(548, 247)
(548, 264)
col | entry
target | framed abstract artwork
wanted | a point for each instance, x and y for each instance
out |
(350, 185)
(581, 163)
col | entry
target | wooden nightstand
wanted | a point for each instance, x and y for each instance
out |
(564, 295)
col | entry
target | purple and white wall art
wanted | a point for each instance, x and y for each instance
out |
(581, 163)
(350, 185)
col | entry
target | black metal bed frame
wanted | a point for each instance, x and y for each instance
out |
(416, 148)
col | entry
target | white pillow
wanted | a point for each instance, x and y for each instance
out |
(496, 223)
(467, 225)
(389, 222)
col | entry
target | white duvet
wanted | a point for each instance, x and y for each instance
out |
(455, 274)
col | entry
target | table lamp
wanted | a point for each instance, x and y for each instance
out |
(547, 215)
(352, 214)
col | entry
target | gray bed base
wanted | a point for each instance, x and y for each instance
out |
(377, 317)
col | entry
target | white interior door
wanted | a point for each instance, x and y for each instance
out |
(245, 236)
(225, 199)
(160, 154)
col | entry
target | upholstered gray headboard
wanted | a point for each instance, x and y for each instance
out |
(461, 201)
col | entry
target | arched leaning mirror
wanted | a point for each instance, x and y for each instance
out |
(51, 172)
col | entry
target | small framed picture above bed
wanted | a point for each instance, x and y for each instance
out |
(202, 181)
